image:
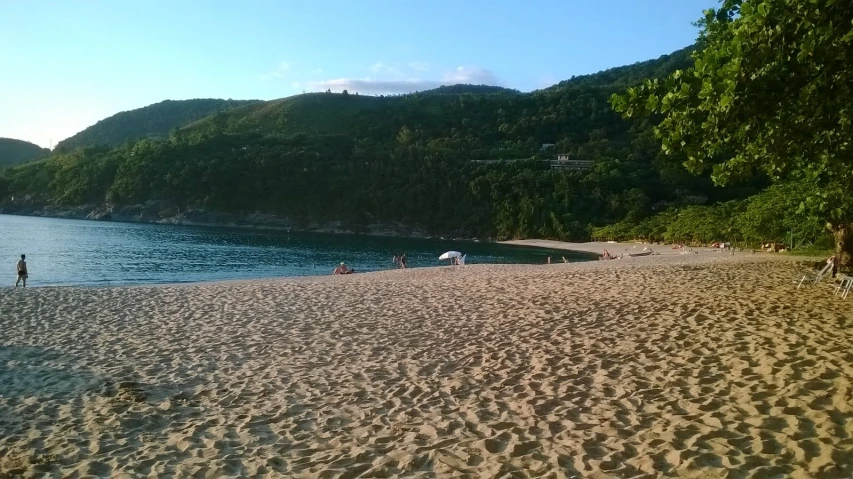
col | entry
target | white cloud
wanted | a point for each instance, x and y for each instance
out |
(374, 86)
(399, 84)
(283, 68)
(472, 75)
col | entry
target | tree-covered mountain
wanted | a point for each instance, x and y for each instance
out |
(435, 162)
(630, 75)
(13, 152)
(152, 121)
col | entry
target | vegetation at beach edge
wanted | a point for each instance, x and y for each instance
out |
(769, 92)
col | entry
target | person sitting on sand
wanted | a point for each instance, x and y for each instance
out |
(342, 269)
(22, 271)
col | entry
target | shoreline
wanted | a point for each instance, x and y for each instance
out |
(495, 269)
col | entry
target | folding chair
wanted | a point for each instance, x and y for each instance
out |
(844, 286)
(815, 277)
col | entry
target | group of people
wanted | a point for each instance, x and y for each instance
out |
(609, 255)
(400, 261)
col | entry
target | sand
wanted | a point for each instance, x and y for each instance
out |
(615, 248)
(678, 366)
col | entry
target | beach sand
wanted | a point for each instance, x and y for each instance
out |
(680, 366)
(614, 248)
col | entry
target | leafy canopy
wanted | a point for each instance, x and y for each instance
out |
(770, 90)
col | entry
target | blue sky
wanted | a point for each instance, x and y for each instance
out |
(65, 65)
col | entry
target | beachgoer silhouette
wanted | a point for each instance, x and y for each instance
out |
(22, 271)
(403, 261)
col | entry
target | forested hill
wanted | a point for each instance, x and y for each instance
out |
(499, 118)
(630, 75)
(13, 152)
(429, 161)
(152, 121)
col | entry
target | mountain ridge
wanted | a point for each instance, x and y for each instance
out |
(311, 113)
(155, 120)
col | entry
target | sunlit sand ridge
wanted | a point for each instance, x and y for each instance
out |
(684, 366)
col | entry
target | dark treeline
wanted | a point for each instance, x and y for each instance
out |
(427, 184)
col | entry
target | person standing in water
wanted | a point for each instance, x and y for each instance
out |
(22, 271)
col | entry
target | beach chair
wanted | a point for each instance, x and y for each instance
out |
(844, 286)
(815, 277)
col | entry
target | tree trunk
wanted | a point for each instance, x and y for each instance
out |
(843, 243)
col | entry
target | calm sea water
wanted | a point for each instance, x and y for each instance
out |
(90, 253)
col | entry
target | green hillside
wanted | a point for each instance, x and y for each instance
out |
(630, 75)
(13, 152)
(565, 114)
(404, 159)
(308, 113)
(152, 121)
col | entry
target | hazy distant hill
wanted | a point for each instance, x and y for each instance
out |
(13, 152)
(151, 121)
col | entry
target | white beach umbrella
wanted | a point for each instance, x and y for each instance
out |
(450, 255)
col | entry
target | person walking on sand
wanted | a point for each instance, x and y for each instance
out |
(22, 271)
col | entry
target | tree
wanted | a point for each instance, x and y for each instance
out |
(774, 215)
(770, 90)
(405, 136)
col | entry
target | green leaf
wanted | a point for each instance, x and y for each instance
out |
(652, 102)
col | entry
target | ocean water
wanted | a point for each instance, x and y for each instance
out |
(63, 252)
